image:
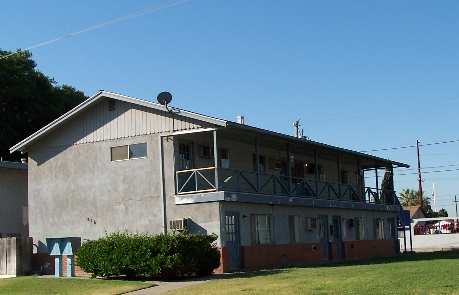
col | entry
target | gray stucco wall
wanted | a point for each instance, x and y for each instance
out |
(13, 201)
(79, 192)
(280, 215)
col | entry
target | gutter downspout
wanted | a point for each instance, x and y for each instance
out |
(163, 182)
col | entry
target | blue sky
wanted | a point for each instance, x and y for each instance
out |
(362, 75)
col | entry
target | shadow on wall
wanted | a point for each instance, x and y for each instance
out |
(195, 228)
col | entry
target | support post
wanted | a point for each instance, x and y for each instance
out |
(257, 164)
(377, 184)
(215, 159)
(316, 168)
(289, 170)
(419, 176)
(339, 176)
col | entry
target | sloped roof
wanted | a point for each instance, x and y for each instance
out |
(22, 146)
(414, 209)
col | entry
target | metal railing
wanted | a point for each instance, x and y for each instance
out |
(201, 180)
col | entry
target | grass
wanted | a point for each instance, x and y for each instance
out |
(69, 286)
(422, 273)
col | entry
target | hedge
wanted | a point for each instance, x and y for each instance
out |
(134, 255)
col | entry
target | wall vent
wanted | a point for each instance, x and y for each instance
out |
(111, 105)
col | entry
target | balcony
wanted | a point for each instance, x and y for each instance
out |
(211, 179)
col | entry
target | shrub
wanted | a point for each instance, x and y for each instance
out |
(164, 255)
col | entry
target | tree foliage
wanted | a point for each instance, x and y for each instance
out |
(28, 100)
(387, 187)
(410, 197)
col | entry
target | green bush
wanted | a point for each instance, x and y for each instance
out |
(165, 255)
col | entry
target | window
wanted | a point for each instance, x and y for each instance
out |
(224, 158)
(321, 173)
(311, 169)
(294, 228)
(359, 228)
(231, 228)
(184, 156)
(125, 152)
(344, 177)
(297, 172)
(138, 150)
(379, 228)
(310, 223)
(261, 163)
(206, 151)
(261, 229)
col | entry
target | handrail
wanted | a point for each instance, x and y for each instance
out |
(200, 180)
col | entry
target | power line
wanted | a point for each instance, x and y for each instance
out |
(411, 146)
(133, 15)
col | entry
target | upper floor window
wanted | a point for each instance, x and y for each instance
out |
(344, 177)
(131, 151)
(261, 163)
(311, 169)
(185, 156)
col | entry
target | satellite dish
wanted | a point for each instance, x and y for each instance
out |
(164, 98)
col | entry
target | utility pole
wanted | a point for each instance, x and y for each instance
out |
(455, 201)
(419, 176)
(297, 128)
(455, 221)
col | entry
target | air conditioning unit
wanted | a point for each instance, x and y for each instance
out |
(350, 222)
(179, 224)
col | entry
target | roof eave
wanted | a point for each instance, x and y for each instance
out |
(301, 140)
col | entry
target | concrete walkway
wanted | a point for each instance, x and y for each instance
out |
(164, 286)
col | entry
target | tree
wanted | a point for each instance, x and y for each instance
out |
(28, 100)
(387, 187)
(410, 197)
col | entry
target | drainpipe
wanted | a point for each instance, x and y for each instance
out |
(163, 182)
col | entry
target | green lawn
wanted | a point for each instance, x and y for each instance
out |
(68, 286)
(423, 273)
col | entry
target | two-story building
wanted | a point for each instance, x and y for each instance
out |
(119, 163)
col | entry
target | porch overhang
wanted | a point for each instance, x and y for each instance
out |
(224, 196)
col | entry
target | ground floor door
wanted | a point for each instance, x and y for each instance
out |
(337, 239)
(322, 223)
(233, 240)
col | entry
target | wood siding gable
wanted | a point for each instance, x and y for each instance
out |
(111, 119)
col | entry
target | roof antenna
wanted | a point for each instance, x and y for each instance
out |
(165, 98)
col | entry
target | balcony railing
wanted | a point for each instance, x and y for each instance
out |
(203, 180)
